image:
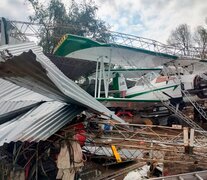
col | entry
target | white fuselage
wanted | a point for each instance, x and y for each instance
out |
(155, 88)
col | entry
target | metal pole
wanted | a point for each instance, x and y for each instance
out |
(109, 70)
(100, 77)
(96, 80)
(104, 79)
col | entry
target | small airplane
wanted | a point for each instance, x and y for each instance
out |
(143, 93)
(147, 86)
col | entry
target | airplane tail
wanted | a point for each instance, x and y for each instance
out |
(119, 83)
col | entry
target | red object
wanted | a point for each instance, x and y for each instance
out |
(27, 168)
(166, 173)
(123, 94)
(79, 126)
(128, 113)
(141, 142)
(80, 136)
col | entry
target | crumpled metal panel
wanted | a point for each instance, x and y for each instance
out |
(12, 92)
(15, 100)
(8, 106)
(39, 123)
(12, 109)
(27, 66)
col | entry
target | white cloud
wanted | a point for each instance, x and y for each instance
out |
(147, 18)
(15, 9)
(157, 18)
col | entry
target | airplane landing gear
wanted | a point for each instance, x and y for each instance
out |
(173, 119)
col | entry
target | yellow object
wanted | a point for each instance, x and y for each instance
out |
(63, 38)
(148, 122)
(116, 154)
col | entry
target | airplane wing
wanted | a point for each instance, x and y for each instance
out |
(129, 103)
(87, 49)
(138, 61)
(133, 72)
(185, 62)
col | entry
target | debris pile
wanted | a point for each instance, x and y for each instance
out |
(50, 128)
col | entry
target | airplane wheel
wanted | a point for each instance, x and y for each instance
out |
(203, 85)
(173, 119)
(202, 94)
(205, 92)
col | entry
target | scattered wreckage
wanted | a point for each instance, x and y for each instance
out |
(52, 129)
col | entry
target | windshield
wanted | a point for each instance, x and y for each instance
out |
(149, 76)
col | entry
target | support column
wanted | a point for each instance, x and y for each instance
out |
(188, 137)
(191, 143)
(100, 77)
(108, 77)
(186, 140)
(96, 80)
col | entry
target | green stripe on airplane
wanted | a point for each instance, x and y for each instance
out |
(146, 92)
(135, 69)
(71, 43)
(126, 100)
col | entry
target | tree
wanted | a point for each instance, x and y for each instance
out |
(200, 38)
(181, 37)
(56, 21)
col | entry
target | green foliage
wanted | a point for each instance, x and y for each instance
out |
(80, 20)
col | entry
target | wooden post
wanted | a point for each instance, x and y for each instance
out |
(191, 143)
(186, 139)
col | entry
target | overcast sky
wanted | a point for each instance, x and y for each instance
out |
(153, 19)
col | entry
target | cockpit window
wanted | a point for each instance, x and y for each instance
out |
(149, 76)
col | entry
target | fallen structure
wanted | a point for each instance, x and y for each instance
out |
(27, 66)
(42, 102)
(34, 131)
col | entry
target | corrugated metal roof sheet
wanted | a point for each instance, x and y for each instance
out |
(27, 66)
(8, 106)
(12, 92)
(12, 109)
(39, 123)
(15, 100)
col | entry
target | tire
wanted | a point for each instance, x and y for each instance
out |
(205, 92)
(173, 119)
